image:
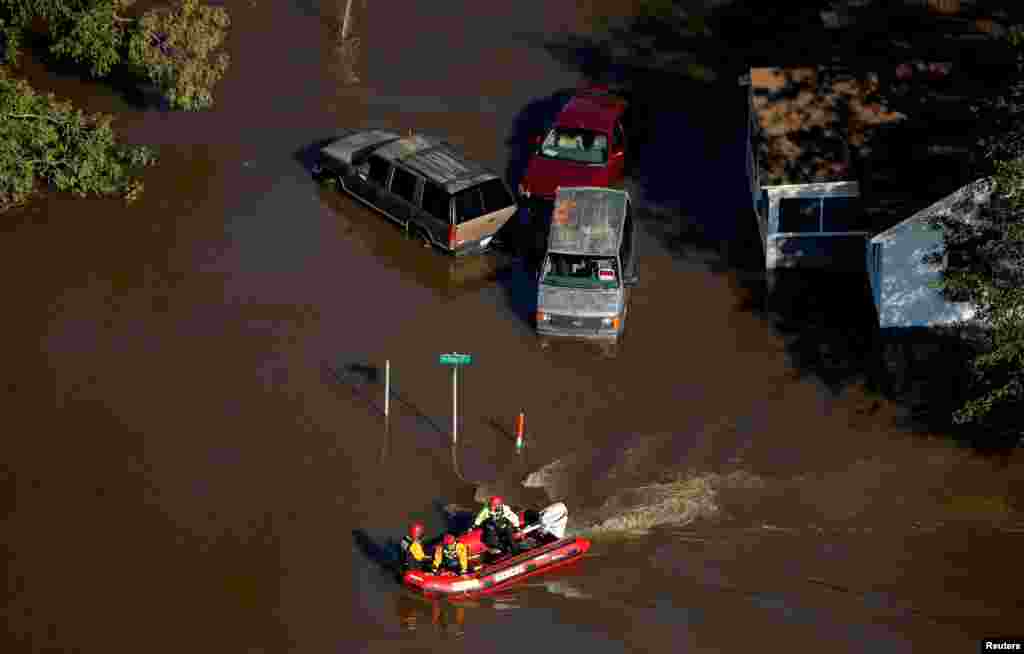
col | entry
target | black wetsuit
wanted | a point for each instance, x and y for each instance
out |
(498, 534)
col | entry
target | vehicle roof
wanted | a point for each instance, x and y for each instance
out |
(592, 108)
(434, 158)
(587, 220)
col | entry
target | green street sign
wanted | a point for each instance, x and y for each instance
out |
(454, 359)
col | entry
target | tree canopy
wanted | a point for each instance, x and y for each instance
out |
(176, 47)
(46, 140)
(992, 279)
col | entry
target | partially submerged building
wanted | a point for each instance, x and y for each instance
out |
(902, 282)
(924, 335)
(806, 128)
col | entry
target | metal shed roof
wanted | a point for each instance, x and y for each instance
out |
(588, 221)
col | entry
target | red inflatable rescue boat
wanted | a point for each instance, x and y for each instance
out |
(543, 547)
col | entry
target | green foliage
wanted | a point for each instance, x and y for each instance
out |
(178, 48)
(994, 284)
(91, 36)
(1015, 35)
(89, 32)
(46, 140)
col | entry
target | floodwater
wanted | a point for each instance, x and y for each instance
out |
(195, 456)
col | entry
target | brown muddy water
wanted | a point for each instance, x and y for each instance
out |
(194, 453)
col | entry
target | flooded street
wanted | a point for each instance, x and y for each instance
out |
(195, 456)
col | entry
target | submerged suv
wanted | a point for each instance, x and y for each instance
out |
(585, 147)
(422, 183)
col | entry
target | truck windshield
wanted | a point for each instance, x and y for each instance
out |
(573, 144)
(580, 271)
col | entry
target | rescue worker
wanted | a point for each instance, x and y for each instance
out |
(498, 522)
(451, 555)
(413, 556)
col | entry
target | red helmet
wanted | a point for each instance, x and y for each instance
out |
(496, 502)
(416, 530)
(449, 539)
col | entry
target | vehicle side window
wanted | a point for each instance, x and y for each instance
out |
(436, 202)
(379, 169)
(468, 205)
(403, 184)
(496, 196)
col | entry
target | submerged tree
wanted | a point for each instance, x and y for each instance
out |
(176, 47)
(49, 141)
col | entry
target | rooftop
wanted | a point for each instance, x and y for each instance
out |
(588, 221)
(810, 129)
(437, 160)
(432, 157)
(964, 204)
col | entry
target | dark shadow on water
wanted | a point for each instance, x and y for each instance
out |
(355, 378)
(308, 156)
(309, 8)
(127, 81)
(369, 374)
(363, 380)
(533, 119)
(828, 323)
(826, 319)
(385, 554)
(519, 283)
(501, 429)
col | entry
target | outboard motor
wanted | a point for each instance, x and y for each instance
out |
(554, 518)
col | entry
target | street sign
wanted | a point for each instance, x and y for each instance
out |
(455, 359)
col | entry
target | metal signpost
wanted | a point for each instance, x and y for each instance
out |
(455, 360)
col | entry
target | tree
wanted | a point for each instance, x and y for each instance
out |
(45, 140)
(176, 47)
(992, 277)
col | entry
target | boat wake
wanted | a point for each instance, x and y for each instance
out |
(634, 488)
